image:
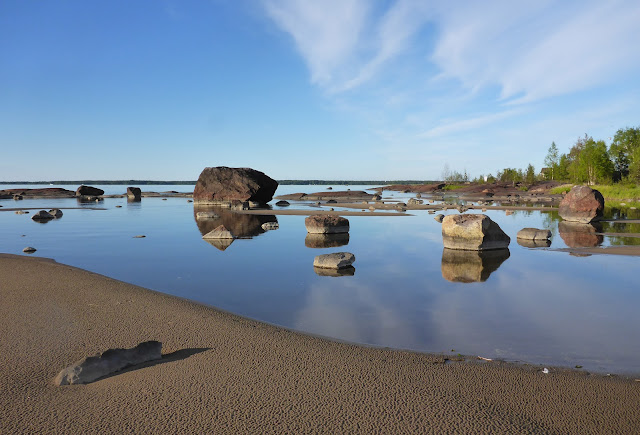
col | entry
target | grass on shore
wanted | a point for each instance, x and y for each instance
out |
(614, 191)
(453, 186)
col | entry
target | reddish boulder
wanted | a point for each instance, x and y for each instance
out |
(221, 185)
(582, 204)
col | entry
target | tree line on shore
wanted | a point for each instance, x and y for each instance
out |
(588, 161)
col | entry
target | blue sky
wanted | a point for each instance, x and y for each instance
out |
(332, 89)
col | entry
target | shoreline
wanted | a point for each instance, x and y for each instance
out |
(226, 373)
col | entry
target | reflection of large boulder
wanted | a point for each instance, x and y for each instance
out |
(221, 184)
(221, 244)
(241, 225)
(471, 266)
(473, 232)
(326, 240)
(581, 204)
(577, 235)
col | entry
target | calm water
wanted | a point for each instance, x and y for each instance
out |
(532, 305)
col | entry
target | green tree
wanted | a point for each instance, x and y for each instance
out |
(530, 174)
(562, 171)
(593, 164)
(551, 160)
(623, 152)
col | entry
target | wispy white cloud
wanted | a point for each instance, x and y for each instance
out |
(468, 124)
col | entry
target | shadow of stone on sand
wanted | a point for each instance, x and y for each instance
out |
(471, 266)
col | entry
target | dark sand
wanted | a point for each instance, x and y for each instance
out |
(227, 374)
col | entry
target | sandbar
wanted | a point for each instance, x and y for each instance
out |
(227, 374)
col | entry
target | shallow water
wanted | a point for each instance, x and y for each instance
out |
(533, 305)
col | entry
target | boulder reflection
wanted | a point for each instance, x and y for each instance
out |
(326, 240)
(242, 226)
(577, 235)
(539, 243)
(471, 266)
(346, 271)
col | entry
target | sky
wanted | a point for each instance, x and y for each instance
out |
(332, 89)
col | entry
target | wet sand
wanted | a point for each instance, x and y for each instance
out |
(225, 374)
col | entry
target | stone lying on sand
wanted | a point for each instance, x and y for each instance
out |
(222, 184)
(42, 215)
(88, 191)
(533, 234)
(472, 232)
(134, 193)
(94, 367)
(220, 232)
(337, 260)
(326, 224)
(582, 204)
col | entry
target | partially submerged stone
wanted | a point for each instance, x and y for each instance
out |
(29, 250)
(134, 193)
(220, 232)
(533, 234)
(219, 185)
(42, 216)
(207, 215)
(473, 232)
(56, 213)
(94, 367)
(89, 191)
(337, 260)
(326, 224)
(282, 203)
(582, 204)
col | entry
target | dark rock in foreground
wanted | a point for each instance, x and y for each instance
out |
(221, 185)
(94, 367)
(473, 232)
(42, 215)
(471, 266)
(582, 204)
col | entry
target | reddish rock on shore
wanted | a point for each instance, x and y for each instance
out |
(582, 204)
(222, 184)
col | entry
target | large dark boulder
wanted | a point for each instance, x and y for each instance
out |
(88, 191)
(221, 185)
(582, 204)
(134, 193)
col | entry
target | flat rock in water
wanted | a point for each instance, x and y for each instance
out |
(94, 367)
(267, 226)
(326, 224)
(582, 204)
(533, 234)
(220, 232)
(472, 232)
(337, 260)
(56, 213)
(29, 250)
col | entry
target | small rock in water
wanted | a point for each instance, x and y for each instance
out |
(189, 200)
(164, 199)
(42, 215)
(29, 250)
(22, 212)
(56, 213)
(141, 236)
(338, 260)
(118, 206)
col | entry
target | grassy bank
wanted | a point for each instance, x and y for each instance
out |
(614, 191)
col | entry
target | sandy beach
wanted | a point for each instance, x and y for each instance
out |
(226, 374)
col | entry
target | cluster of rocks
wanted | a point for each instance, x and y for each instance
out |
(45, 216)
